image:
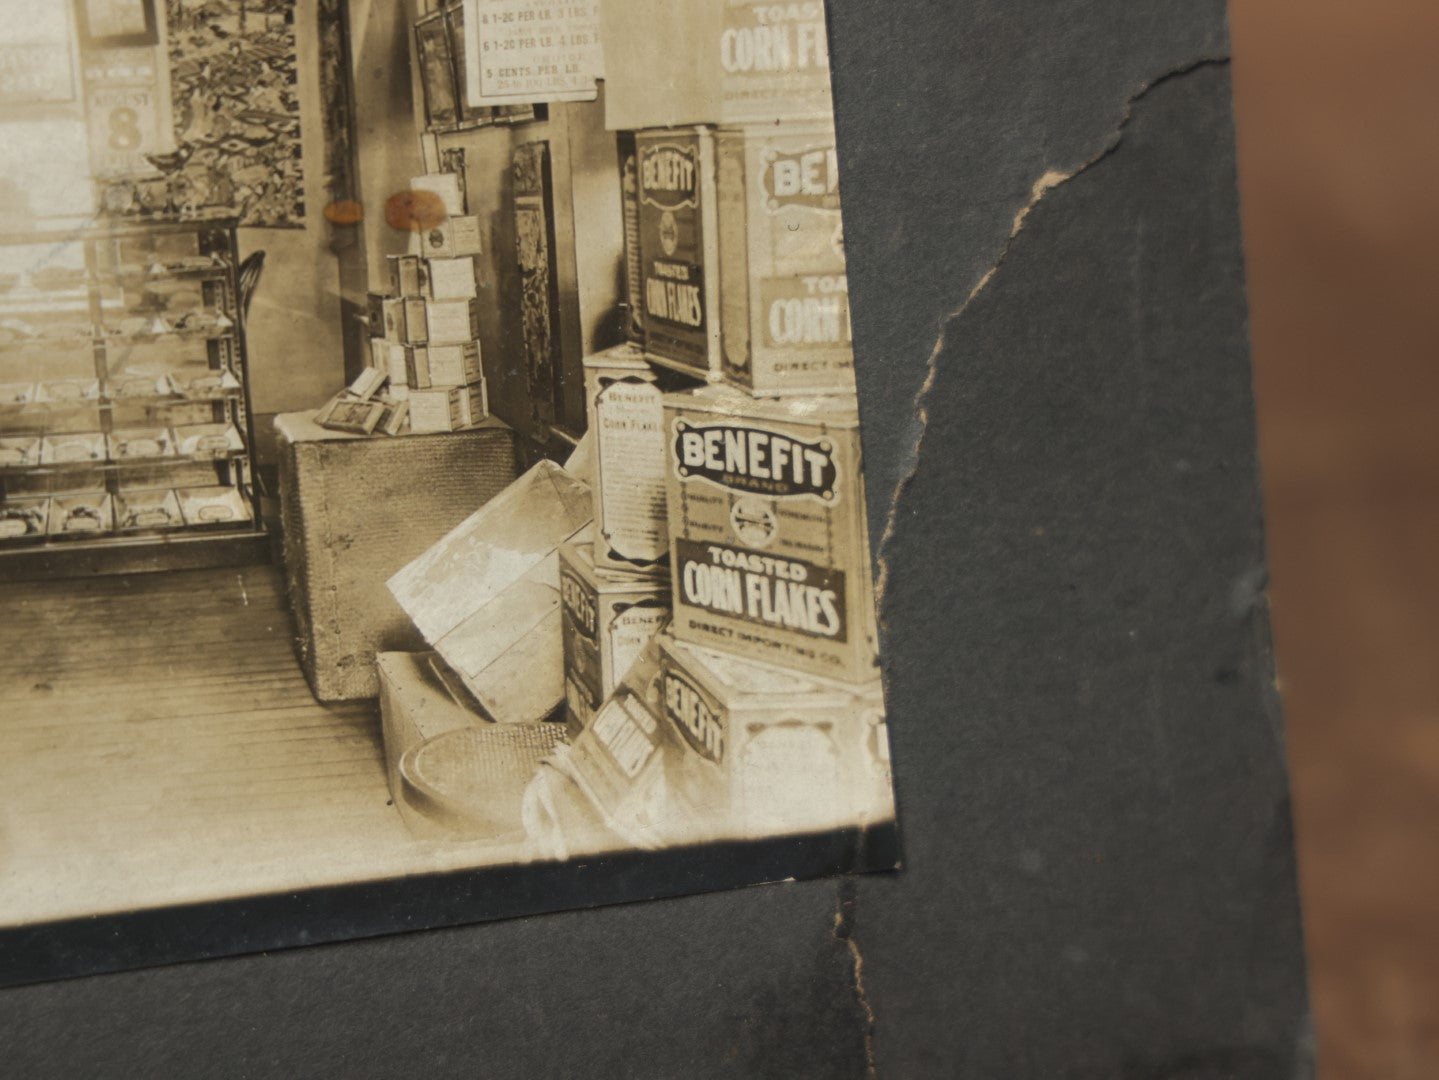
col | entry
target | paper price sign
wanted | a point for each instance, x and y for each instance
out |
(524, 51)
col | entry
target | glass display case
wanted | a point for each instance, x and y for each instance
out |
(124, 388)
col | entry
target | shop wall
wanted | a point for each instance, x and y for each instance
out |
(295, 339)
(392, 147)
(589, 253)
(387, 147)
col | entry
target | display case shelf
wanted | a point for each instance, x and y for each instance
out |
(57, 317)
(108, 401)
(158, 461)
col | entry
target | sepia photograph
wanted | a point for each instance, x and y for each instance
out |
(429, 446)
(846, 539)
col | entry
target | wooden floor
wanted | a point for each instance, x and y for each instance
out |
(159, 744)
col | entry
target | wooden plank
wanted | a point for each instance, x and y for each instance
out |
(159, 742)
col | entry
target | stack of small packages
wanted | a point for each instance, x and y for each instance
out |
(425, 374)
(758, 711)
(716, 620)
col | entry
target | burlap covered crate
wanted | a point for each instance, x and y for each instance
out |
(355, 510)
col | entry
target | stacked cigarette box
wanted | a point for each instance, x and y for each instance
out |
(764, 689)
(425, 330)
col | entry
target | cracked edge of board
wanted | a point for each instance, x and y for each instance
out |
(843, 932)
(1047, 182)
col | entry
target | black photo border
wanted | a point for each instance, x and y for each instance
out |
(104, 944)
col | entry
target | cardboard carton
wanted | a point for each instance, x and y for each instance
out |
(451, 322)
(428, 366)
(450, 279)
(487, 598)
(615, 773)
(407, 275)
(449, 187)
(454, 237)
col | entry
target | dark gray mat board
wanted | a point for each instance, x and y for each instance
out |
(1099, 875)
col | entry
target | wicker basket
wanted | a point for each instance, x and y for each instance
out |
(472, 781)
(356, 510)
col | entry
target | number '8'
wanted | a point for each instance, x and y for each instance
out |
(124, 130)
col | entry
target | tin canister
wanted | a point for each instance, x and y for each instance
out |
(608, 620)
(679, 249)
(626, 415)
(769, 551)
(784, 294)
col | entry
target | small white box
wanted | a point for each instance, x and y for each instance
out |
(447, 186)
(450, 279)
(448, 408)
(455, 236)
(407, 275)
(452, 322)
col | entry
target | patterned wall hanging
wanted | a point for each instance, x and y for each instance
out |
(539, 291)
(233, 75)
(342, 191)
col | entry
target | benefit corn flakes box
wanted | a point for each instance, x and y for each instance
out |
(608, 619)
(769, 551)
(679, 249)
(784, 293)
(754, 750)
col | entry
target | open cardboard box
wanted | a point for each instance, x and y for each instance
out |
(487, 596)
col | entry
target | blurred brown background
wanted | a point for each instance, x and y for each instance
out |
(1338, 110)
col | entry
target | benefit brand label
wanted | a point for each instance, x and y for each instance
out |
(761, 39)
(789, 594)
(579, 601)
(629, 428)
(808, 179)
(674, 278)
(669, 176)
(809, 312)
(626, 730)
(755, 459)
(697, 719)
